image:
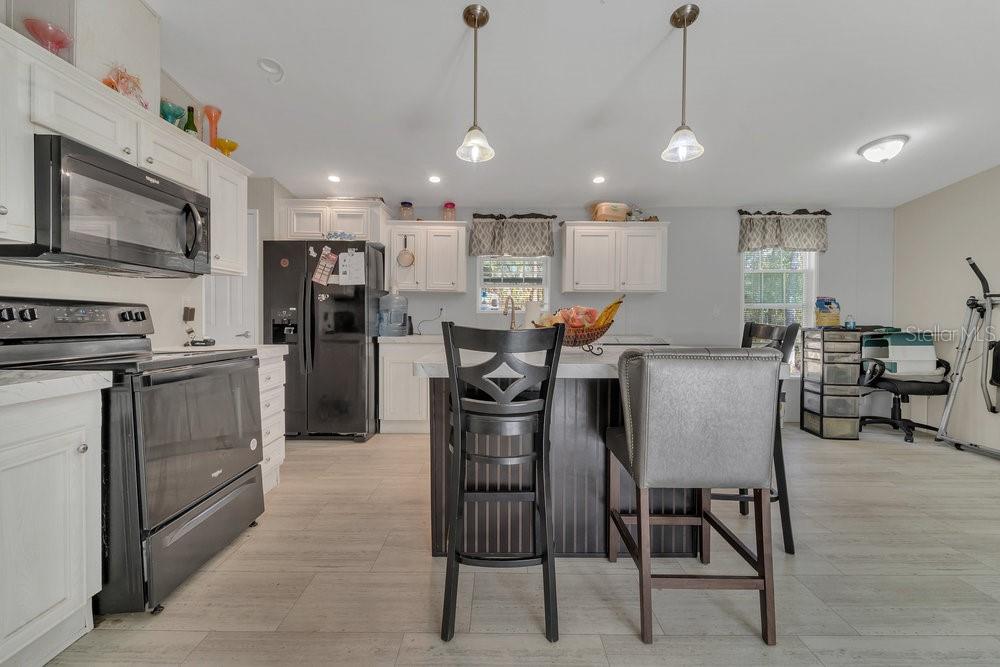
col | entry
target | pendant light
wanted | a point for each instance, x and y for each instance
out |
(683, 145)
(475, 147)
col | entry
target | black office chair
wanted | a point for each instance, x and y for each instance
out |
(901, 388)
(780, 338)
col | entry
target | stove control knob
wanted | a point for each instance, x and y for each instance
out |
(140, 315)
(126, 316)
(28, 314)
(6, 314)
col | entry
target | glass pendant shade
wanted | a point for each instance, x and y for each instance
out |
(475, 147)
(683, 146)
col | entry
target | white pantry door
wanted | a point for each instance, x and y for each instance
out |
(232, 303)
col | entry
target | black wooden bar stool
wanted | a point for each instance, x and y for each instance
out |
(500, 394)
(695, 418)
(781, 338)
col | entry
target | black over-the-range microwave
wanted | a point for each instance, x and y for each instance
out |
(96, 213)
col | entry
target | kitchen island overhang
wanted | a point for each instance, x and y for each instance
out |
(587, 401)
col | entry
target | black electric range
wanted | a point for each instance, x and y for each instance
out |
(181, 439)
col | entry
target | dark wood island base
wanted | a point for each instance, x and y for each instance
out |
(582, 409)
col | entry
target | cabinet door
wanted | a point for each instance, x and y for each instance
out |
(353, 220)
(411, 277)
(595, 264)
(443, 261)
(43, 528)
(69, 108)
(641, 254)
(169, 153)
(404, 396)
(306, 222)
(227, 189)
(17, 152)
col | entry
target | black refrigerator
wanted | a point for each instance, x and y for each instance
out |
(330, 329)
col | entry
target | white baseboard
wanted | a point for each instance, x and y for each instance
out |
(55, 640)
(401, 426)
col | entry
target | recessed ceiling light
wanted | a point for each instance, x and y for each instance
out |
(333, 178)
(598, 179)
(884, 149)
(273, 68)
(434, 179)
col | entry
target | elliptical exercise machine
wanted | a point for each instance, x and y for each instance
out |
(976, 321)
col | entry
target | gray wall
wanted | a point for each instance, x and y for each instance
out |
(702, 301)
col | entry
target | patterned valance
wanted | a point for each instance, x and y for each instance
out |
(526, 235)
(801, 230)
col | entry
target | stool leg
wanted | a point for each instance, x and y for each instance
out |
(455, 538)
(543, 509)
(706, 530)
(645, 565)
(765, 564)
(782, 484)
(744, 505)
(614, 503)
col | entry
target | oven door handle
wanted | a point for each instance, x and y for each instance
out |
(158, 378)
(199, 230)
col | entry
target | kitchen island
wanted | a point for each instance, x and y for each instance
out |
(585, 404)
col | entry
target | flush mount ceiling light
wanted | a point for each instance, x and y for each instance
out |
(434, 179)
(683, 145)
(598, 179)
(884, 149)
(275, 72)
(475, 147)
(333, 179)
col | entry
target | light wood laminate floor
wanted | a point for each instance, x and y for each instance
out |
(898, 563)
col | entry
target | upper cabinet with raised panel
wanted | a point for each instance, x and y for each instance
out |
(227, 189)
(614, 257)
(17, 198)
(315, 218)
(166, 152)
(438, 251)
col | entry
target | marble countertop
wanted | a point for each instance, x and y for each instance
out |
(18, 386)
(625, 339)
(263, 351)
(574, 363)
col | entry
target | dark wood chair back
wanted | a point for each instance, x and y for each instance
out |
(496, 405)
(771, 335)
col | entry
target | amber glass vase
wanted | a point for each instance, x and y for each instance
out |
(212, 115)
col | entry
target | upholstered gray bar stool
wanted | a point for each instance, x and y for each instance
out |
(695, 418)
(517, 407)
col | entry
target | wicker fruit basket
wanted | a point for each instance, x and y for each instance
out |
(584, 336)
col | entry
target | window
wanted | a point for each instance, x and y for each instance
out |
(778, 288)
(523, 278)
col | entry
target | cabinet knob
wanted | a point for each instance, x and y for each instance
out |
(217, 256)
(127, 150)
(83, 448)
(149, 160)
(267, 405)
(3, 210)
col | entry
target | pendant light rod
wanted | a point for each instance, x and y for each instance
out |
(682, 17)
(475, 16)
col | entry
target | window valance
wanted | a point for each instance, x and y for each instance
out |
(525, 235)
(800, 230)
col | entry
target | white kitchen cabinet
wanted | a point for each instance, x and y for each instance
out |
(439, 249)
(227, 189)
(50, 514)
(614, 257)
(17, 153)
(307, 221)
(315, 218)
(403, 396)
(70, 108)
(165, 151)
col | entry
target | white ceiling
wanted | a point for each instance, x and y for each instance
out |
(780, 92)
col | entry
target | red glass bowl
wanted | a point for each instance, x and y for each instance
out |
(49, 35)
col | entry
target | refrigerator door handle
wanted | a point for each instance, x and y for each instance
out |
(307, 326)
(303, 368)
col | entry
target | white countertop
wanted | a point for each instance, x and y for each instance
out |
(574, 363)
(26, 386)
(430, 339)
(263, 351)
